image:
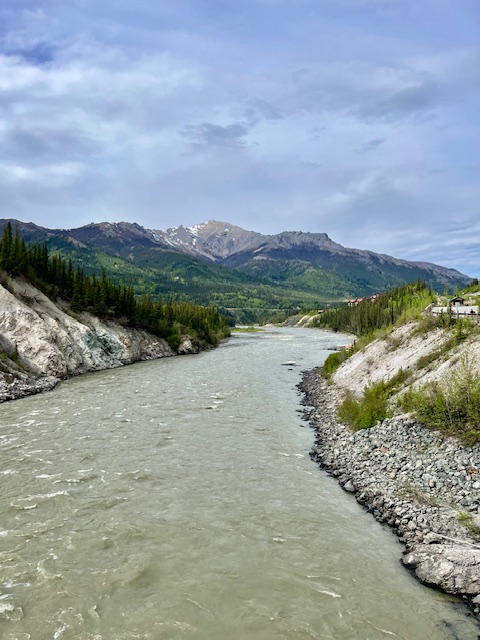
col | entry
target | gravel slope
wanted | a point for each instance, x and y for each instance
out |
(425, 486)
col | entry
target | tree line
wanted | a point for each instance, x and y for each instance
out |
(98, 295)
(386, 309)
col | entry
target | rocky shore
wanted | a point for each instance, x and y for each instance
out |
(26, 386)
(426, 487)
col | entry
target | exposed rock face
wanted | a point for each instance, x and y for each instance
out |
(438, 565)
(424, 486)
(187, 345)
(212, 240)
(48, 344)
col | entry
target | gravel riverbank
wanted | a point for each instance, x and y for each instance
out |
(424, 486)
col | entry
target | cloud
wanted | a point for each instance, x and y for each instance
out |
(38, 53)
(93, 100)
(258, 109)
(370, 145)
(409, 101)
(364, 91)
(337, 117)
(208, 134)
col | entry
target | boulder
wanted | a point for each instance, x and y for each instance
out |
(454, 568)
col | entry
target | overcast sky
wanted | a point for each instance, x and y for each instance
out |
(358, 118)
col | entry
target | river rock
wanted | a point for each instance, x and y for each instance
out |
(453, 568)
(187, 345)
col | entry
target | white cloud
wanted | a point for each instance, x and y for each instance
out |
(334, 116)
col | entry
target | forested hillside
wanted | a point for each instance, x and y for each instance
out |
(100, 296)
(397, 304)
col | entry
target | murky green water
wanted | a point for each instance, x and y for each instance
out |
(176, 499)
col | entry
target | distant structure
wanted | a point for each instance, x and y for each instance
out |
(458, 309)
(355, 301)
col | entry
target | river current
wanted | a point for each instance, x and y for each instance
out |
(176, 499)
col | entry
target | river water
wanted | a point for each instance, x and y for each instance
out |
(176, 499)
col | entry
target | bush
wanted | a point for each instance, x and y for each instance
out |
(332, 363)
(349, 409)
(372, 408)
(451, 405)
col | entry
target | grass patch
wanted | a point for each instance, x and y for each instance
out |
(332, 363)
(413, 492)
(466, 519)
(424, 362)
(459, 332)
(428, 322)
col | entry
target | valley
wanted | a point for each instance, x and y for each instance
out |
(248, 276)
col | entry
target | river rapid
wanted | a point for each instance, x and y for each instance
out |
(176, 499)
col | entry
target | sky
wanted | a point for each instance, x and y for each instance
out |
(358, 118)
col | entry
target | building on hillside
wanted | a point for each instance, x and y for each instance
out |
(458, 311)
(355, 301)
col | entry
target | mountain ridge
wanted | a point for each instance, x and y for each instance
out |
(259, 243)
(295, 244)
(220, 264)
(220, 240)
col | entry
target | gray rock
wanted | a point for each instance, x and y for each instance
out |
(53, 345)
(348, 486)
(449, 567)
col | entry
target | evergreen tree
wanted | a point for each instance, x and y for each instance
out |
(6, 248)
(102, 297)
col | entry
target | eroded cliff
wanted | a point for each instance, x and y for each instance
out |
(40, 343)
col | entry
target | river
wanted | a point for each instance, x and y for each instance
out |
(176, 499)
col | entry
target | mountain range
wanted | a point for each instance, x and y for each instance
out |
(222, 264)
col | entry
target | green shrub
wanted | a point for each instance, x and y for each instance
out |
(349, 409)
(332, 363)
(425, 361)
(451, 405)
(428, 322)
(372, 408)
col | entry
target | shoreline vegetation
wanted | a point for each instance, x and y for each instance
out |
(429, 343)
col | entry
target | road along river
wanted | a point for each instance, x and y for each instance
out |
(176, 499)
